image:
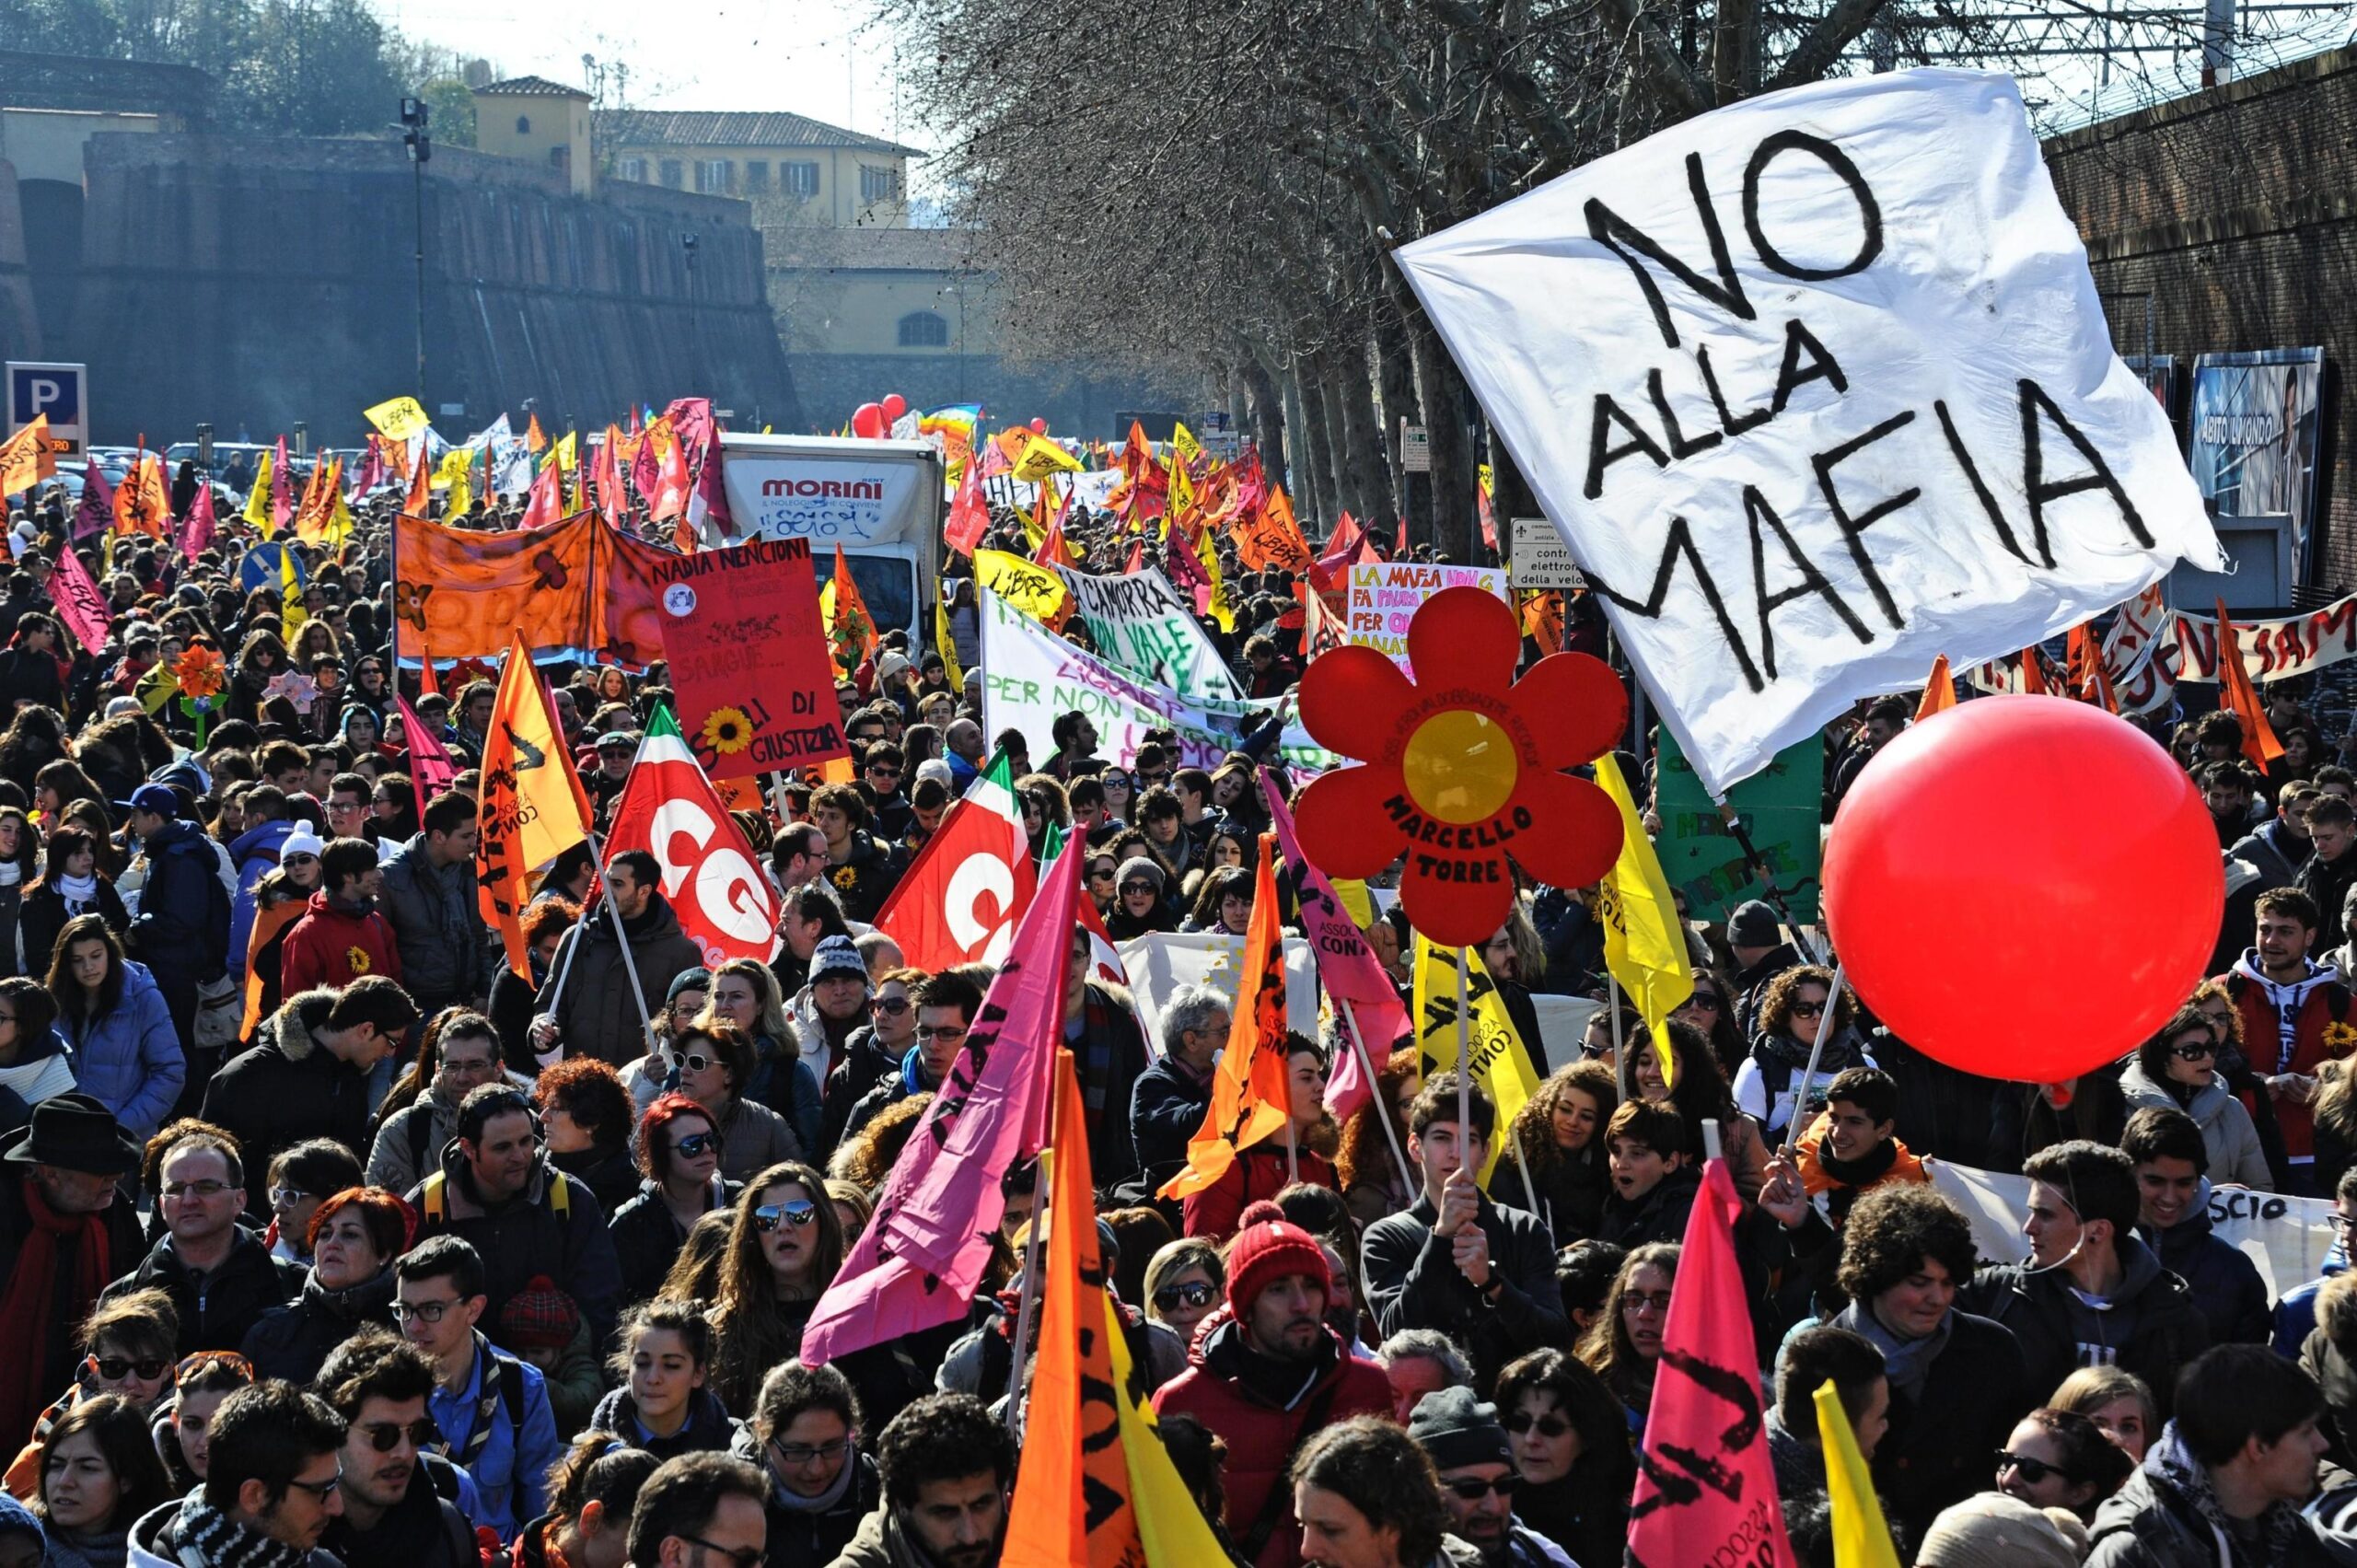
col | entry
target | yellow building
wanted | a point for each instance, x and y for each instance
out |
(540, 122)
(796, 172)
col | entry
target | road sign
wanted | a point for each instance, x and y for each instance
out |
(1415, 448)
(61, 391)
(1540, 558)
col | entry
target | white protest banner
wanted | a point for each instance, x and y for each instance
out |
(1161, 963)
(1139, 622)
(1816, 387)
(1031, 675)
(1385, 595)
(2287, 1237)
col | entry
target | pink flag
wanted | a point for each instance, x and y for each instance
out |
(1706, 1492)
(430, 767)
(96, 514)
(1346, 966)
(80, 604)
(196, 528)
(919, 1260)
(282, 496)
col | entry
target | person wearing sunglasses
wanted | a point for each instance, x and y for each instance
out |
(1139, 908)
(277, 1482)
(874, 1051)
(2057, 1460)
(1474, 1461)
(805, 1432)
(1768, 1083)
(945, 1004)
(1571, 1449)
(711, 1060)
(679, 1150)
(2177, 1070)
(784, 1251)
(1183, 1282)
(399, 1493)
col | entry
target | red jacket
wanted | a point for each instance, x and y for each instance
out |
(332, 947)
(2321, 1029)
(1260, 1434)
(1259, 1172)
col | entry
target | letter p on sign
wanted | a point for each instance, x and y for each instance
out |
(57, 390)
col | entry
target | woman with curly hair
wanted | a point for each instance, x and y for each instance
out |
(1768, 1083)
(784, 1247)
(1571, 1452)
(1623, 1346)
(866, 1158)
(1558, 1138)
(1374, 1184)
(589, 1115)
(1700, 1095)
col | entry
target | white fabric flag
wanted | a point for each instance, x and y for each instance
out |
(1816, 387)
(1161, 963)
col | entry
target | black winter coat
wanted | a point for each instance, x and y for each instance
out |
(2225, 1282)
(1412, 1282)
(220, 1314)
(1936, 1452)
(2153, 1329)
(648, 1239)
(287, 1087)
(294, 1342)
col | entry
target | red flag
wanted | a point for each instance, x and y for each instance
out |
(421, 490)
(1341, 549)
(97, 510)
(372, 468)
(78, 602)
(1705, 1486)
(969, 515)
(1137, 557)
(197, 528)
(431, 768)
(2258, 736)
(959, 900)
(2090, 682)
(670, 808)
(1400, 542)
(545, 505)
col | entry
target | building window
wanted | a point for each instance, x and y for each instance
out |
(631, 168)
(561, 159)
(798, 179)
(674, 172)
(712, 176)
(879, 185)
(756, 177)
(924, 329)
(523, 125)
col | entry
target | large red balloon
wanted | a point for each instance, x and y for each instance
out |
(2023, 887)
(867, 422)
(894, 406)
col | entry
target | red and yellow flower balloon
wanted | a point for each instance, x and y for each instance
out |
(1463, 766)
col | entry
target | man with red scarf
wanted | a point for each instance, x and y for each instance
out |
(63, 1237)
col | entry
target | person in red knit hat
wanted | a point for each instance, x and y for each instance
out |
(1266, 1372)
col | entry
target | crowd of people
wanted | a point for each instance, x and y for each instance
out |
(327, 1236)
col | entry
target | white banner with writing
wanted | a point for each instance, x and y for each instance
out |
(1138, 621)
(1816, 387)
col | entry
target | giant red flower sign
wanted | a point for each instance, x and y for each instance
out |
(1463, 766)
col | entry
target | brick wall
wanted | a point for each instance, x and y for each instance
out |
(2236, 210)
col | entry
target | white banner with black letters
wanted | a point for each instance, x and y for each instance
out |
(1816, 387)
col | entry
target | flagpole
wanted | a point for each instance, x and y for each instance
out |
(1769, 890)
(1612, 1005)
(1030, 1301)
(1293, 1156)
(621, 937)
(1464, 1059)
(1816, 1055)
(1374, 1081)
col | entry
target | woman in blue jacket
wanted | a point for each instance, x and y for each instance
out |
(126, 1054)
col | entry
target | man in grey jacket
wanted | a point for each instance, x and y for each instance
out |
(601, 1010)
(429, 895)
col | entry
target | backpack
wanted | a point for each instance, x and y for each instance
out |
(436, 1203)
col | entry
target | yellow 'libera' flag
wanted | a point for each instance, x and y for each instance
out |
(1500, 1064)
(1645, 942)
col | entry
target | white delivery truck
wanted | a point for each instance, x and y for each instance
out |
(880, 500)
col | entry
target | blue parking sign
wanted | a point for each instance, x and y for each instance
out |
(58, 390)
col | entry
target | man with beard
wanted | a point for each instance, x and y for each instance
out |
(272, 1486)
(1475, 1462)
(2289, 1003)
(948, 1466)
(1270, 1375)
(398, 1508)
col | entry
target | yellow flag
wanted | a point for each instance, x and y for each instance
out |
(258, 499)
(1183, 442)
(1645, 942)
(1028, 586)
(291, 614)
(1501, 1064)
(532, 808)
(1041, 458)
(945, 645)
(1216, 607)
(398, 418)
(454, 476)
(1861, 1538)
(1177, 508)
(566, 453)
(1035, 523)
(1170, 1528)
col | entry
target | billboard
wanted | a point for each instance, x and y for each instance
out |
(2252, 440)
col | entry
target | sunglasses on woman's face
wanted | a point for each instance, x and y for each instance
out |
(799, 1212)
(1192, 1293)
(694, 1144)
(694, 1062)
(115, 1368)
(2034, 1471)
(1130, 888)
(1521, 1422)
(2202, 1051)
(1702, 1001)
(1808, 1009)
(895, 1005)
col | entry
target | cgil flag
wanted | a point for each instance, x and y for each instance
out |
(960, 898)
(1861, 1538)
(1251, 1097)
(670, 808)
(921, 1257)
(1500, 1064)
(1644, 940)
(532, 808)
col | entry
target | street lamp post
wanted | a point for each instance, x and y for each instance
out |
(415, 116)
(695, 325)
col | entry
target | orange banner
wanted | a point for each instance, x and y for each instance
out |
(579, 588)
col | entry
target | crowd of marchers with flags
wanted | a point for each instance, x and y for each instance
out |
(452, 1120)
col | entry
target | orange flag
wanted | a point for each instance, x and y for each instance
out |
(532, 806)
(2032, 677)
(2258, 736)
(421, 490)
(141, 505)
(1939, 692)
(850, 631)
(1251, 1099)
(1071, 1497)
(2090, 682)
(25, 458)
(535, 439)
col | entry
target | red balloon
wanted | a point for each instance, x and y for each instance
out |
(867, 422)
(895, 406)
(2023, 887)
(1038, 427)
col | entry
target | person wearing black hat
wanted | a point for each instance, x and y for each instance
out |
(1467, 1446)
(1756, 940)
(63, 1237)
